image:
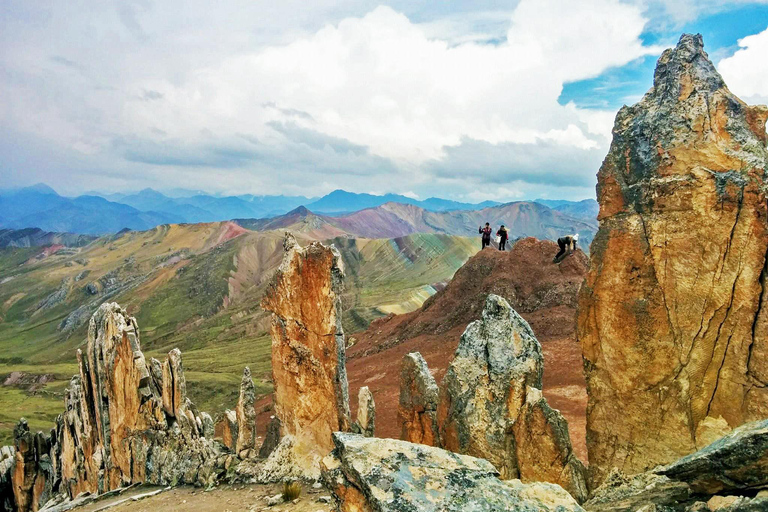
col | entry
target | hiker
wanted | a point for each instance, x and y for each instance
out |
(568, 243)
(486, 232)
(501, 237)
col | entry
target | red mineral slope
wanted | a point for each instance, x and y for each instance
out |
(545, 294)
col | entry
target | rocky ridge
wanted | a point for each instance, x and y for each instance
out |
(672, 317)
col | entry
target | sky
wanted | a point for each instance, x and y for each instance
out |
(468, 100)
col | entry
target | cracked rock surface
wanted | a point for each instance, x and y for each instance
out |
(672, 316)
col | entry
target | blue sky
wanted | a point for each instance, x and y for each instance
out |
(469, 100)
(626, 84)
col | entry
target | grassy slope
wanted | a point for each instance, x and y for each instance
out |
(189, 292)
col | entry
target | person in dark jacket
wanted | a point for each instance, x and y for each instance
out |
(567, 243)
(486, 232)
(503, 234)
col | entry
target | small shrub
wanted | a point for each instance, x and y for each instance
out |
(291, 491)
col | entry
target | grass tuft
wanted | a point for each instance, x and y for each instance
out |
(291, 491)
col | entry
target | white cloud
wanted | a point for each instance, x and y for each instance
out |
(746, 71)
(339, 105)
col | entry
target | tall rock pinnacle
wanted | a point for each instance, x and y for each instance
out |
(308, 360)
(672, 317)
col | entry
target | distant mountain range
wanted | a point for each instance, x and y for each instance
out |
(392, 220)
(41, 207)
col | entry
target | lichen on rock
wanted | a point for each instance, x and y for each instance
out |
(419, 396)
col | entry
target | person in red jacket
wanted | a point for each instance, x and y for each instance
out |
(503, 234)
(486, 232)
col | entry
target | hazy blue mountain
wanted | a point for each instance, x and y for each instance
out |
(41, 207)
(585, 210)
(149, 200)
(341, 201)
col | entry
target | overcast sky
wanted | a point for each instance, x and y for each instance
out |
(469, 100)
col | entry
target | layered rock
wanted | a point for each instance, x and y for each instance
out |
(481, 395)
(120, 426)
(365, 423)
(308, 362)
(417, 410)
(246, 413)
(725, 475)
(385, 475)
(672, 321)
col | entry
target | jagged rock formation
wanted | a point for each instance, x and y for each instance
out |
(491, 405)
(365, 423)
(246, 414)
(226, 430)
(497, 360)
(387, 475)
(543, 447)
(729, 471)
(308, 362)
(672, 320)
(120, 425)
(418, 402)
(32, 472)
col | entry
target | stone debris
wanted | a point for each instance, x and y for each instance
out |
(369, 474)
(246, 414)
(308, 361)
(673, 320)
(366, 413)
(418, 402)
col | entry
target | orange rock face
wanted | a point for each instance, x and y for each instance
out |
(672, 321)
(417, 410)
(308, 363)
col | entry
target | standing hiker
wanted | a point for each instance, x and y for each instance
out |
(486, 232)
(501, 236)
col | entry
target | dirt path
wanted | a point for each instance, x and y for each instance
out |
(232, 498)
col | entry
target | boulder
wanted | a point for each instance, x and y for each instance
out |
(308, 363)
(544, 452)
(226, 430)
(246, 413)
(725, 475)
(485, 386)
(672, 322)
(383, 475)
(366, 413)
(418, 401)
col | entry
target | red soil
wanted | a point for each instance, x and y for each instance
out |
(545, 294)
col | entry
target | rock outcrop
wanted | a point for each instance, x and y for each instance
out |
(226, 431)
(246, 414)
(386, 475)
(491, 404)
(727, 473)
(672, 317)
(543, 447)
(120, 426)
(308, 362)
(481, 395)
(271, 438)
(418, 402)
(365, 423)
(7, 456)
